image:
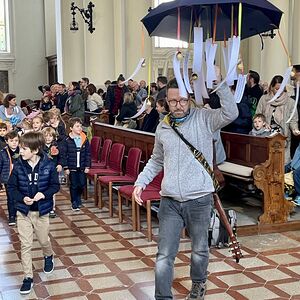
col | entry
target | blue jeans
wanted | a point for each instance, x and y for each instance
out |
(77, 183)
(173, 217)
(296, 177)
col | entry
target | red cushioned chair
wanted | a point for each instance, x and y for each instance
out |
(102, 163)
(131, 173)
(95, 148)
(104, 155)
(114, 167)
(151, 193)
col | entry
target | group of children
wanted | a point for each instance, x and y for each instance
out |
(31, 158)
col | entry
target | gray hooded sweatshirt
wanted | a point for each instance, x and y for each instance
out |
(184, 177)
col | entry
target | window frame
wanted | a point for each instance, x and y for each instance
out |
(6, 26)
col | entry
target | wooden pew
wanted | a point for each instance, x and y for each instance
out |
(264, 158)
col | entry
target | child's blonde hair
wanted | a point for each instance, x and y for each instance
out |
(40, 117)
(49, 131)
(128, 97)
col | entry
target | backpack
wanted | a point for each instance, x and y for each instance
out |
(217, 233)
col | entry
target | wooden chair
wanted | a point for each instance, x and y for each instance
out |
(131, 173)
(95, 148)
(151, 193)
(102, 163)
(114, 167)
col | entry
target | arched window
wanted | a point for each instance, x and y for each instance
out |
(165, 42)
(4, 27)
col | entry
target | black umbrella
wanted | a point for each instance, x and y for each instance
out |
(257, 16)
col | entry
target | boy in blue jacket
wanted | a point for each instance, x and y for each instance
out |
(8, 156)
(77, 160)
(33, 182)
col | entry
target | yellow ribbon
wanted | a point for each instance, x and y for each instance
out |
(232, 17)
(149, 76)
(240, 19)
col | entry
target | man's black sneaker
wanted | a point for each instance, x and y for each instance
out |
(26, 286)
(48, 264)
(52, 214)
(11, 221)
(197, 291)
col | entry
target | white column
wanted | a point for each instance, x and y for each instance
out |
(254, 54)
(58, 31)
(72, 46)
(135, 11)
(120, 38)
(274, 60)
(99, 45)
(296, 31)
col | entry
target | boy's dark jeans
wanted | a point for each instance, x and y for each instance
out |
(77, 183)
(12, 212)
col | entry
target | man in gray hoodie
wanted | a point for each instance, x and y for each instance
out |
(186, 189)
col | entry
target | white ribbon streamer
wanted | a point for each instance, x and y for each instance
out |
(143, 108)
(203, 87)
(186, 72)
(225, 79)
(138, 67)
(240, 88)
(210, 54)
(197, 62)
(296, 103)
(233, 57)
(177, 73)
(286, 78)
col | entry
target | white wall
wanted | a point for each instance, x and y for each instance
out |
(135, 11)
(72, 44)
(50, 35)
(29, 44)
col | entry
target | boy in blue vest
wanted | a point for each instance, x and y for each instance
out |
(8, 156)
(33, 182)
(77, 160)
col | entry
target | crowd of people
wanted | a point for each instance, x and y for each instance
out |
(37, 154)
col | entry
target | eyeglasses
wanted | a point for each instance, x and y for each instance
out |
(182, 102)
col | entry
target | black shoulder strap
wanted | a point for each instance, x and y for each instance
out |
(200, 158)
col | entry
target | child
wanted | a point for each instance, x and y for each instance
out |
(52, 150)
(37, 123)
(259, 126)
(77, 161)
(3, 132)
(8, 157)
(57, 123)
(46, 103)
(161, 108)
(33, 182)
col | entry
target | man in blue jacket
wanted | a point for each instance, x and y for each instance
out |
(33, 182)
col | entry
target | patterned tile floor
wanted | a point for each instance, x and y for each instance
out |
(98, 258)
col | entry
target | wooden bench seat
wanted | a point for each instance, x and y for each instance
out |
(236, 171)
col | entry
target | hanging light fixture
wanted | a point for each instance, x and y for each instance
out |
(87, 15)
